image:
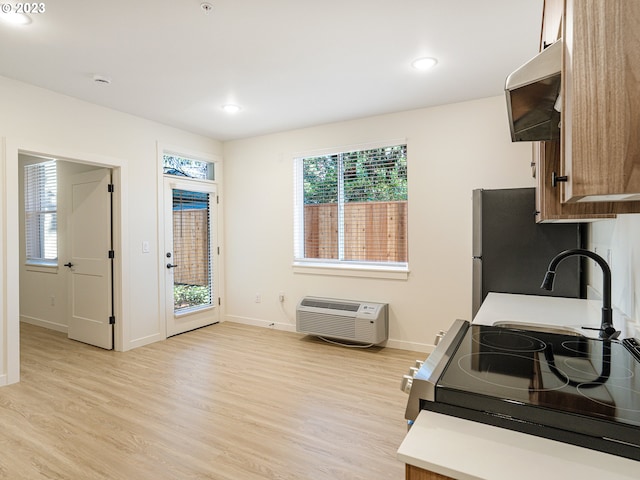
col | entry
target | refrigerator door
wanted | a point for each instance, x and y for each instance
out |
(513, 251)
(477, 223)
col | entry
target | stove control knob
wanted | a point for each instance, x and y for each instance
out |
(419, 364)
(413, 371)
(407, 381)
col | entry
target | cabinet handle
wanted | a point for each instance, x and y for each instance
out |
(556, 178)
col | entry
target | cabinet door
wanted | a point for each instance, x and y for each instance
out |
(601, 101)
(546, 156)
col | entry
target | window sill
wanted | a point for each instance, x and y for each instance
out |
(364, 271)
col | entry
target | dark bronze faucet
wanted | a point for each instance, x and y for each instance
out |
(607, 331)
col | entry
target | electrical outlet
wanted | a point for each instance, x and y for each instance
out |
(258, 298)
(52, 300)
(281, 297)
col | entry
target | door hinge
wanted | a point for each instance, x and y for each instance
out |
(112, 320)
(110, 188)
(217, 199)
(219, 301)
(112, 254)
(218, 250)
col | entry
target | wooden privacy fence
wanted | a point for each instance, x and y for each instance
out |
(191, 247)
(373, 231)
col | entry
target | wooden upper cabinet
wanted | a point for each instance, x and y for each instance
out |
(600, 128)
(599, 149)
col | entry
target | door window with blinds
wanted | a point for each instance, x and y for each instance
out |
(351, 207)
(41, 217)
(191, 250)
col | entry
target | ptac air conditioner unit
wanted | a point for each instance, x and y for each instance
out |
(362, 322)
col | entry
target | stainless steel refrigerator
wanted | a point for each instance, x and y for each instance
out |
(511, 251)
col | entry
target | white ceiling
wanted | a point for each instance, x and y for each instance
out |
(288, 63)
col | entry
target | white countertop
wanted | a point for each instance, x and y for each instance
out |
(570, 313)
(467, 450)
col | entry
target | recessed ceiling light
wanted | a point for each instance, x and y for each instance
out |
(231, 108)
(424, 63)
(13, 17)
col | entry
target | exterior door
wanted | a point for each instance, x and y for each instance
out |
(90, 265)
(188, 262)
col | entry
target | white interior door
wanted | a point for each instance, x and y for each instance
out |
(90, 264)
(190, 250)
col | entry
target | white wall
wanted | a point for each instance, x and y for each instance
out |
(618, 240)
(34, 119)
(452, 149)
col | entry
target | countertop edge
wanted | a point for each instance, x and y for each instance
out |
(462, 449)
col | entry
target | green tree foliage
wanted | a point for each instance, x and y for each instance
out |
(191, 295)
(369, 175)
(320, 179)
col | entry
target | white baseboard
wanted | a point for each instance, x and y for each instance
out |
(141, 342)
(391, 343)
(255, 322)
(411, 346)
(39, 322)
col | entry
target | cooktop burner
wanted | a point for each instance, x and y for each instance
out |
(508, 341)
(498, 372)
(580, 390)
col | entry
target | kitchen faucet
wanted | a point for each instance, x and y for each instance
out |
(607, 331)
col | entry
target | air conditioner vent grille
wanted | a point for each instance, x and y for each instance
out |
(364, 322)
(349, 307)
(329, 325)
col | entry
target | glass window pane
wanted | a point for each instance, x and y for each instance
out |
(187, 167)
(41, 201)
(355, 206)
(193, 286)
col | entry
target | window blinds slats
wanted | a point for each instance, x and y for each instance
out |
(191, 243)
(354, 206)
(41, 200)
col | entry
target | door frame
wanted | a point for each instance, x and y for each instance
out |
(162, 247)
(13, 148)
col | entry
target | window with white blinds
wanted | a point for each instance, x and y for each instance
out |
(41, 218)
(351, 207)
(193, 285)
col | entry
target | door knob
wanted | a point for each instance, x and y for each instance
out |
(170, 265)
(68, 264)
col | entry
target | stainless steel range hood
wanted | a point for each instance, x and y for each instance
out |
(533, 97)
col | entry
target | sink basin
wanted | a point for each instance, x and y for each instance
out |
(539, 327)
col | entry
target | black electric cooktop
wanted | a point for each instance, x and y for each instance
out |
(570, 388)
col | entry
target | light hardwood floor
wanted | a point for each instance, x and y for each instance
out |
(226, 402)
